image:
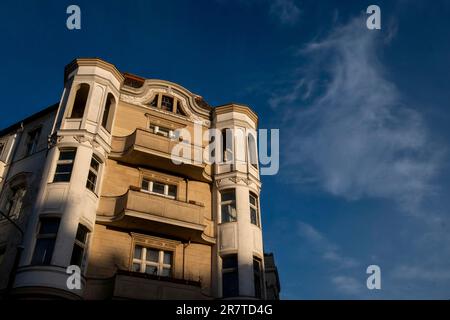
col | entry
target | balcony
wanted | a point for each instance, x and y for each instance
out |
(157, 214)
(143, 147)
(132, 285)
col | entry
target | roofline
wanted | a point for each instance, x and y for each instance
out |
(29, 119)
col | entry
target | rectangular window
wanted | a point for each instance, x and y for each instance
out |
(162, 131)
(152, 261)
(254, 212)
(2, 146)
(91, 182)
(160, 188)
(45, 241)
(79, 246)
(32, 141)
(154, 102)
(65, 165)
(167, 103)
(230, 277)
(257, 277)
(228, 205)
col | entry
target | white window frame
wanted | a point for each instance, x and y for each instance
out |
(254, 206)
(69, 161)
(228, 202)
(33, 141)
(95, 172)
(160, 265)
(166, 188)
(162, 131)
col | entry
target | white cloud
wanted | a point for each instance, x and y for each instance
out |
(355, 138)
(286, 11)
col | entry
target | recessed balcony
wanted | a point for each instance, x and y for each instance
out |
(143, 147)
(153, 213)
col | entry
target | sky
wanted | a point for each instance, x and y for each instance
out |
(363, 118)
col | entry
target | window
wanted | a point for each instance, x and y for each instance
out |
(80, 101)
(2, 146)
(230, 277)
(108, 112)
(228, 205)
(180, 109)
(32, 141)
(93, 173)
(152, 261)
(227, 145)
(65, 165)
(162, 131)
(45, 241)
(257, 277)
(254, 212)
(154, 102)
(12, 205)
(167, 103)
(79, 246)
(160, 188)
(253, 158)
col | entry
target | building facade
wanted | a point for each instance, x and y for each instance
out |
(114, 180)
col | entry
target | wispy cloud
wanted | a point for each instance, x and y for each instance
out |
(355, 138)
(286, 11)
(328, 251)
(348, 285)
(421, 273)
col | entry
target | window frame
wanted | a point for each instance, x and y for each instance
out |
(255, 207)
(228, 202)
(83, 245)
(108, 112)
(12, 200)
(258, 273)
(230, 270)
(150, 182)
(96, 174)
(81, 86)
(32, 142)
(160, 265)
(45, 236)
(60, 161)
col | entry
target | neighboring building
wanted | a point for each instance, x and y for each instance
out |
(272, 279)
(92, 183)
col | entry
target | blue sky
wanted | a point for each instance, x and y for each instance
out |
(363, 118)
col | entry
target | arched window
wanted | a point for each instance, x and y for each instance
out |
(80, 101)
(108, 112)
(227, 145)
(252, 154)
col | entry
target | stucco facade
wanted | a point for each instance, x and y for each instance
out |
(94, 181)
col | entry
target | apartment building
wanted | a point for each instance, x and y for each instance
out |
(94, 182)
